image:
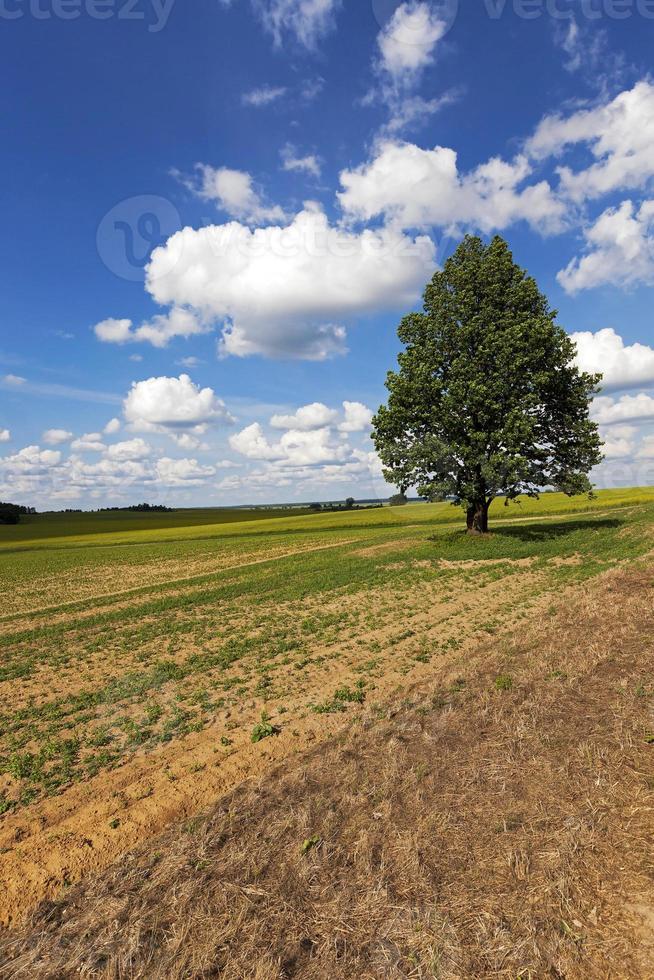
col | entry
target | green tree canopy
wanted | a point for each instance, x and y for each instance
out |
(487, 399)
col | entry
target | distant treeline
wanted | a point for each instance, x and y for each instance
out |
(135, 508)
(141, 508)
(12, 513)
(349, 504)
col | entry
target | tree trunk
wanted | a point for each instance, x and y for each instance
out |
(477, 517)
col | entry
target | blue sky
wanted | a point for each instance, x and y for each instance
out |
(300, 168)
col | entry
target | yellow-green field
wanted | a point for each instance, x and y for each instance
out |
(145, 667)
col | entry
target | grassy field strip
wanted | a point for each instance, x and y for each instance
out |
(21, 537)
(109, 598)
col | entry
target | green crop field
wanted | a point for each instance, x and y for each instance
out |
(137, 654)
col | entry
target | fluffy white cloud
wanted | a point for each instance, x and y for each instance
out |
(158, 331)
(408, 41)
(251, 442)
(620, 136)
(14, 380)
(233, 191)
(182, 472)
(359, 469)
(416, 188)
(314, 436)
(296, 447)
(281, 291)
(112, 426)
(357, 417)
(30, 461)
(186, 441)
(129, 449)
(291, 160)
(55, 437)
(306, 21)
(627, 408)
(646, 448)
(620, 248)
(5, 435)
(618, 442)
(605, 352)
(90, 442)
(108, 473)
(114, 331)
(406, 46)
(314, 416)
(173, 403)
(263, 95)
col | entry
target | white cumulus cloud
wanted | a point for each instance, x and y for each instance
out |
(233, 191)
(314, 416)
(55, 437)
(90, 442)
(408, 41)
(627, 408)
(182, 472)
(622, 365)
(30, 461)
(173, 403)
(158, 331)
(620, 136)
(416, 188)
(357, 417)
(129, 449)
(620, 250)
(281, 292)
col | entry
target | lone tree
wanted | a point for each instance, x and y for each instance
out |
(487, 399)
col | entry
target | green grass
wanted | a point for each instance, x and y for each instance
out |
(57, 525)
(120, 528)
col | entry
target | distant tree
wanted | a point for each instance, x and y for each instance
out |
(11, 513)
(398, 500)
(315, 506)
(349, 503)
(487, 399)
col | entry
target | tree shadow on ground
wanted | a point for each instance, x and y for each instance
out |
(550, 531)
